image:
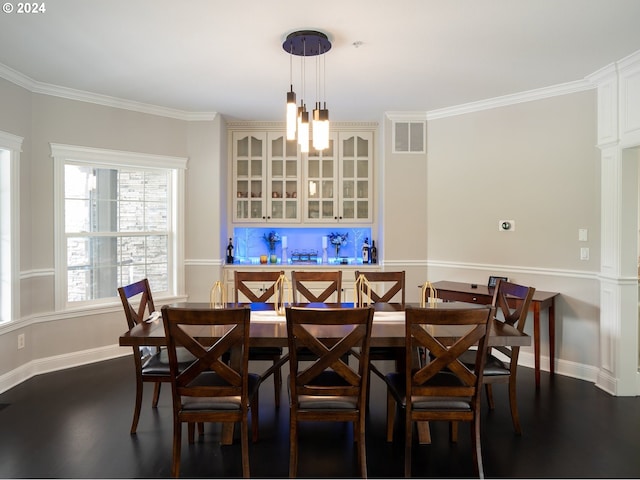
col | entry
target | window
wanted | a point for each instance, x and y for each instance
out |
(10, 148)
(117, 215)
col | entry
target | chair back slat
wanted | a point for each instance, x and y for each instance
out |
(306, 286)
(347, 329)
(394, 282)
(513, 301)
(445, 375)
(233, 327)
(250, 283)
(136, 314)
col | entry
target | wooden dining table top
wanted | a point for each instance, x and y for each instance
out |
(268, 328)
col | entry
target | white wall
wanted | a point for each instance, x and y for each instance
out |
(536, 163)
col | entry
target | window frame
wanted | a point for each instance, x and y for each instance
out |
(10, 227)
(103, 158)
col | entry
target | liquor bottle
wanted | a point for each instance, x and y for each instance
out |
(230, 251)
(365, 251)
(374, 252)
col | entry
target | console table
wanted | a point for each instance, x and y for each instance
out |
(464, 292)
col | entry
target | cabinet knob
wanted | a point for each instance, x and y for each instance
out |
(475, 299)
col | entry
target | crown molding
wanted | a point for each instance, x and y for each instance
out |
(34, 86)
(512, 99)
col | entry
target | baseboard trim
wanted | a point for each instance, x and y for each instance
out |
(576, 370)
(59, 362)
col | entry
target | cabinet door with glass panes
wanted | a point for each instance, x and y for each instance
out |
(338, 183)
(283, 204)
(321, 183)
(356, 185)
(249, 176)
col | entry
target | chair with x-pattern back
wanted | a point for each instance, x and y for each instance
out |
(260, 287)
(444, 388)
(328, 389)
(151, 365)
(212, 388)
(312, 287)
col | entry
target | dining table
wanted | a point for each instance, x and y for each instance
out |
(268, 329)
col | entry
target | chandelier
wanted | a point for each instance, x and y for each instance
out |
(308, 43)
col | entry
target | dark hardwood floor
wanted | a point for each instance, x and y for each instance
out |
(75, 424)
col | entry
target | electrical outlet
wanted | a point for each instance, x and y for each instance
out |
(20, 341)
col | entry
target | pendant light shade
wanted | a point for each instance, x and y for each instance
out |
(292, 114)
(307, 43)
(320, 127)
(303, 130)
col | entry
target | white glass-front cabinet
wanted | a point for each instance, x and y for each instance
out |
(266, 177)
(284, 178)
(338, 182)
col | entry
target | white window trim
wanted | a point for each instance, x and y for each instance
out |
(10, 227)
(115, 158)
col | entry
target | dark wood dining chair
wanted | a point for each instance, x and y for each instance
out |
(261, 287)
(512, 301)
(444, 388)
(328, 389)
(151, 364)
(211, 389)
(386, 287)
(313, 287)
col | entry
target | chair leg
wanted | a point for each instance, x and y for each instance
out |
(177, 443)
(138, 406)
(513, 403)
(201, 428)
(476, 446)
(488, 388)
(244, 441)
(408, 437)
(156, 394)
(293, 448)
(254, 417)
(362, 451)
(277, 383)
(453, 431)
(191, 433)
(391, 415)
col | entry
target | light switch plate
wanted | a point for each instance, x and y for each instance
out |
(583, 234)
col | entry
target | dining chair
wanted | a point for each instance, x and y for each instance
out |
(151, 365)
(309, 286)
(328, 389)
(211, 389)
(444, 388)
(261, 287)
(513, 301)
(386, 287)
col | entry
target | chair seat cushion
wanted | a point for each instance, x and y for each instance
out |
(328, 402)
(397, 388)
(217, 403)
(442, 403)
(493, 365)
(158, 363)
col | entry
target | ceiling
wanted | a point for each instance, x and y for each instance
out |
(226, 56)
